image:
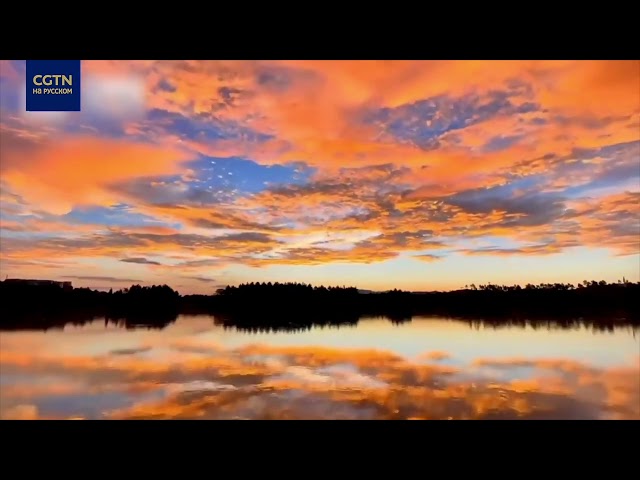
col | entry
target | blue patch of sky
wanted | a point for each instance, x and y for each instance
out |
(608, 151)
(276, 78)
(487, 242)
(622, 169)
(85, 123)
(279, 79)
(422, 122)
(12, 91)
(204, 127)
(19, 65)
(30, 234)
(9, 378)
(9, 95)
(593, 123)
(166, 86)
(528, 184)
(607, 184)
(10, 233)
(501, 142)
(11, 216)
(228, 94)
(199, 127)
(538, 121)
(119, 215)
(217, 178)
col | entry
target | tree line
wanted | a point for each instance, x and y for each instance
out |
(263, 304)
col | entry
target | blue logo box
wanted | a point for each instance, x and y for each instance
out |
(53, 85)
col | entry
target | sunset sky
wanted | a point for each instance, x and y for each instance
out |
(388, 174)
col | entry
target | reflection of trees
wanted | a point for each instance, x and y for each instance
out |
(594, 323)
(271, 323)
(295, 306)
(266, 325)
(49, 322)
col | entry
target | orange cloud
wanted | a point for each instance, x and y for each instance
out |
(59, 173)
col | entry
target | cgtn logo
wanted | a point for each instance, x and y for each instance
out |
(53, 85)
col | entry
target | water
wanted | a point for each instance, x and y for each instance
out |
(429, 368)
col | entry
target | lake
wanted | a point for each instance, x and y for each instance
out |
(426, 368)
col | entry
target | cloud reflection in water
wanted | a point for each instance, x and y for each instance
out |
(191, 379)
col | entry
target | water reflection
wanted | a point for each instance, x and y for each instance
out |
(424, 369)
(265, 324)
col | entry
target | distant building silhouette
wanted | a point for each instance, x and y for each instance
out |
(41, 283)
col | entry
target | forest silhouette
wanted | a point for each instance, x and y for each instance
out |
(297, 306)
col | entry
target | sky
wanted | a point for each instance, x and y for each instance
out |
(419, 175)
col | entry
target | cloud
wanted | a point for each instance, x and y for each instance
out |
(426, 257)
(435, 355)
(113, 241)
(104, 279)
(130, 351)
(114, 96)
(529, 208)
(140, 260)
(58, 173)
(528, 250)
(200, 279)
(205, 262)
